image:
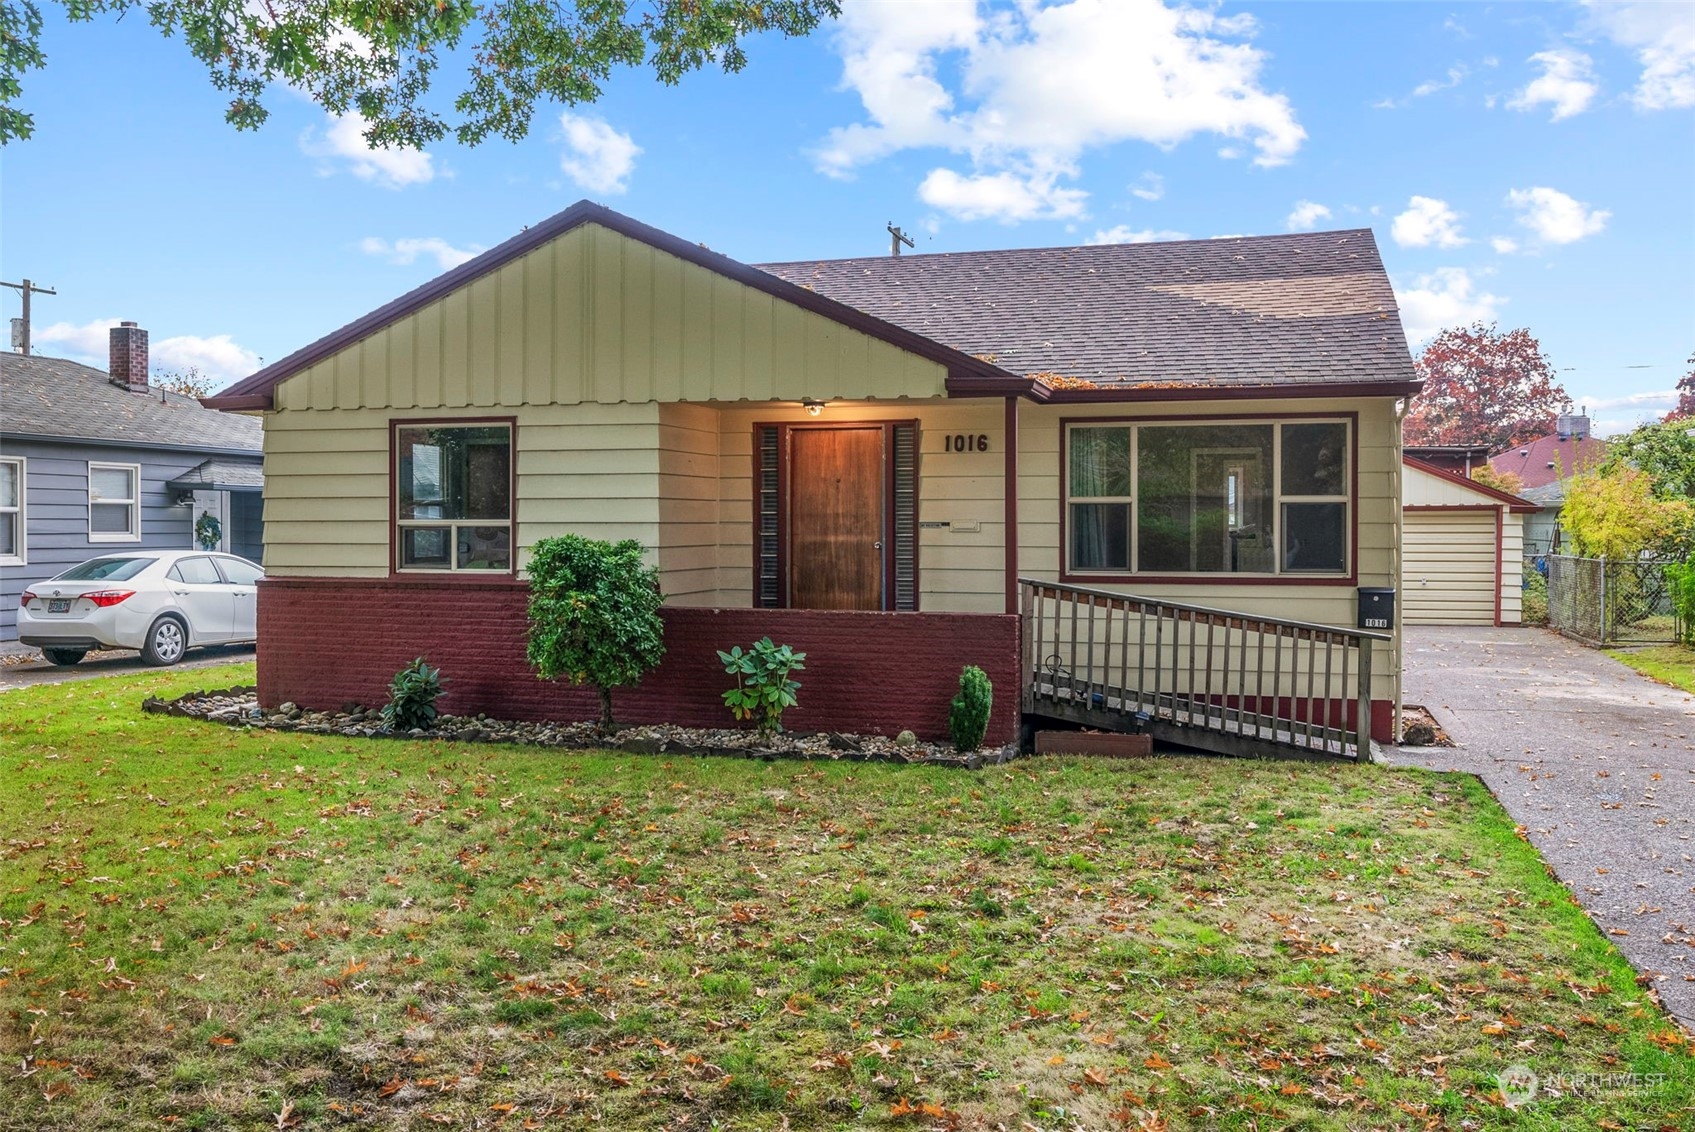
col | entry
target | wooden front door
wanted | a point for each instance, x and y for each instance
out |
(836, 526)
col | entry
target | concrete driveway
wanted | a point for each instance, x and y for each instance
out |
(22, 667)
(1596, 762)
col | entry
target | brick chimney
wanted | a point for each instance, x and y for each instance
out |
(129, 357)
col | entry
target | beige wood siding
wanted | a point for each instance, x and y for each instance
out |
(1444, 592)
(1512, 569)
(1377, 509)
(962, 567)
(1449, 577)
(588, 469)
(690, 482)
(594, 316)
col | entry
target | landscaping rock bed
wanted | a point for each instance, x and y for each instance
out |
(239, 707)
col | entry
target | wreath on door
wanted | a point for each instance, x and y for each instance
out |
(208, 531)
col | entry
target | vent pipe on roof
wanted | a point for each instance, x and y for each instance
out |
(128, 354)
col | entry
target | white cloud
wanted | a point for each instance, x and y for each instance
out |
(1038, 86)
(1663, 35)
(1661, 397)
(407, 250)
(1555, 217)
(1008, 197)
(89, 341)
(1124, 234)
(1426, 222)
(343, 140)
(597, 157)
(1505, 245)
(1148, 187)
(1151, 186)
(1306, 215)
(1567, 83)
(1456, 75)
(218, 356)
(1445, 297)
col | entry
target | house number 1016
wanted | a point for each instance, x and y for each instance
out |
(960, 442)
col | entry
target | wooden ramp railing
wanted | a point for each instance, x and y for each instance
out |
(1235, 683)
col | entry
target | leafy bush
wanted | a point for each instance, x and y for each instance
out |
(1535, 611)
(412, 697)
(1680, 580)
(968, 722)
(763, 688)
(594, 614)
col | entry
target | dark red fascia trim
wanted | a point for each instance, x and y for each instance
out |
(1145, 392)
(260, 385)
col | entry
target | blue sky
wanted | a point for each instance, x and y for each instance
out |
(1531, 163)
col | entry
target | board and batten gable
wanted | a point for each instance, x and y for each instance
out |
(580, 341)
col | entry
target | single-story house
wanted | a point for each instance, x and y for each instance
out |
(899, 464)
(1462, 559)
(1543, 466)
(93, 462)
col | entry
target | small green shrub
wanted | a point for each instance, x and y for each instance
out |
(763, 687)
(968, 722)
(412, 697)
(1535, 610)
(594, 614)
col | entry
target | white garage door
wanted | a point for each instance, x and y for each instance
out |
(1448, 568)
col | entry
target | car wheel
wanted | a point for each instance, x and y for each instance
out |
(167, 640)
(64, 658)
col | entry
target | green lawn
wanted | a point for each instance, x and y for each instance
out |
(201, 928)
(1669, 664)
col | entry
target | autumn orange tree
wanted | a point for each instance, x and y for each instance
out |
(1483, 385)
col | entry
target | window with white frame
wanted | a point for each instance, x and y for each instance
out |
(114, 502)
(13, 537)
(1208, 497)
(453, 497)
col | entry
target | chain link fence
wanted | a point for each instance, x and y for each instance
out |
(1602, 602)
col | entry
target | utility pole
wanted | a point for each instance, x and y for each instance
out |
(897, 238)
(26, 289)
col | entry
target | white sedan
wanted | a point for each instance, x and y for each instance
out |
(163, 602)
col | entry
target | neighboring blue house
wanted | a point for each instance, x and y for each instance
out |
(92, 463)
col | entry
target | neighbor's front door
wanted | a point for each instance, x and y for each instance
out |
(835, 517)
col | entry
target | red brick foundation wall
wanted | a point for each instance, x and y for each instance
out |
(326, 641)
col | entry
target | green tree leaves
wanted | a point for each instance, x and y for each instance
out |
(378, 58)
(594, 614)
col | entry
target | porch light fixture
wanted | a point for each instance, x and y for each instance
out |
(812, 406)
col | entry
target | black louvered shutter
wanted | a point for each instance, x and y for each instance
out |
(767, 579)
(906, 517)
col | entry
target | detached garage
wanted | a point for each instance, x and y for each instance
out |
(1462, 549)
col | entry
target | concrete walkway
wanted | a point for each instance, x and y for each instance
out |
(1596, 762)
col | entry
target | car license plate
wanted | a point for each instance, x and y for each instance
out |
(59, 605)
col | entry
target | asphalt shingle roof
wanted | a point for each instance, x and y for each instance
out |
(1312, 307)
(223, 475)
(56, 397)
(1549, 459)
